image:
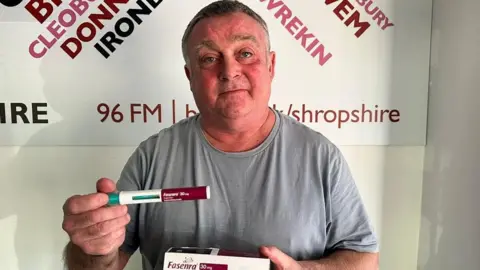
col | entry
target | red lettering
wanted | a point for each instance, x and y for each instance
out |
(343, 116)
(54, 28)
(90, 27)
(334, 116)
(312, 45)
(394, 116)
(293, 23)
(79, 6)
(328, 2)
(304, 36)
(368, 10)
(31, 50)
(105, 15)
(355, 117)
(285, 12)
(41, 10)
(322, 57)
(112, 6)
(48, 43)
(364, 112)
(181, 266)
(379, 17)
(157, 110)
(61, 18)
(387, 24)
(72, 52)
(355, 18)
(377, 14)
(304, 112)
(189, 112)
(133, 111)
(342, 7)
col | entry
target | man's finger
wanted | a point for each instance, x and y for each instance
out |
(105, 185)
(80, 204)
(280, 259)
(90, 218)
(101, 229)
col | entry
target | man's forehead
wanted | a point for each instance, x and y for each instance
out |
(208, 42)
(231, 28)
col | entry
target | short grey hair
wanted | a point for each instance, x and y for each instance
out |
(221, 8)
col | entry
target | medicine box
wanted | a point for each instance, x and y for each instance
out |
(193, 258)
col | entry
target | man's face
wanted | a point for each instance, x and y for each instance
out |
(230, 68)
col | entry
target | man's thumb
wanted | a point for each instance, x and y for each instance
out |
(105, 185)
(280, 259)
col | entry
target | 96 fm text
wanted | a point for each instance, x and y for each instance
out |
(132, 113)
(143, 113)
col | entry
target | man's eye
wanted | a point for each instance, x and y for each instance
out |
(208, 59)
(246, 54)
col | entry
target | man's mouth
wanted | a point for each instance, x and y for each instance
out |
(232, 91)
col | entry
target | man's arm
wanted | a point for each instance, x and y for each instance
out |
(344, 260)
(352, 243)
(76, 259)
(339, 260)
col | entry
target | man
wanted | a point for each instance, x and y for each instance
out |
(277, 186)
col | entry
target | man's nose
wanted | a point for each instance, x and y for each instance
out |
(230, 69)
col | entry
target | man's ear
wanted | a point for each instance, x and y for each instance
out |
(189, 75)
(187, 72)
(271, 64)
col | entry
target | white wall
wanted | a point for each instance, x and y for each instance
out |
(450, 230)
(389, 179)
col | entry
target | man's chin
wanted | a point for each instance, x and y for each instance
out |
(235, 113)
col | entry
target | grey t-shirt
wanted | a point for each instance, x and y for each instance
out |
(294, 191)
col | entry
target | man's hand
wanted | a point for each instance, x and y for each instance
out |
(339, 260)
(96, 229)
(96, 232)
(281, 260)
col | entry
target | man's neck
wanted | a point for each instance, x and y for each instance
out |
(240, 139)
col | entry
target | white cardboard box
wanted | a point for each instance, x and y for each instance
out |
(192, 258)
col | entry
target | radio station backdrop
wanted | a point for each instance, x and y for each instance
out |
(111, 72)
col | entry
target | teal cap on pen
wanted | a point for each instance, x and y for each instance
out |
(113, 198)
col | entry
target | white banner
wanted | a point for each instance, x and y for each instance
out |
(110, 72)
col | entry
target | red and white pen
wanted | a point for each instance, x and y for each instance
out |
(159, 195)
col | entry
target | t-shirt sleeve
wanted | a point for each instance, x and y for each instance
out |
(349, 225)
(131, 178)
